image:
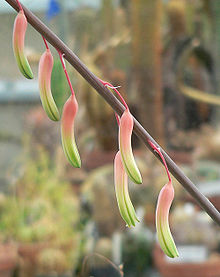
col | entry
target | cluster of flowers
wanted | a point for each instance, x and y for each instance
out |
(124, 163)
(44, 78)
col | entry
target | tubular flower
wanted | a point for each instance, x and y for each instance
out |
(162, 224)
(125, 133)
(121, 187)
(44, 79)
(19, 31)
(67, 131)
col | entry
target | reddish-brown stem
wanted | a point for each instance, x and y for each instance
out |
(157, 149)
(19, 5)
(66, 73)
(45, 42)
(107, 84)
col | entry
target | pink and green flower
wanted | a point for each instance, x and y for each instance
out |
(19, 32)
(164, 235)
(44, 79)
(67, 131)
(121, 187)
(125, 133)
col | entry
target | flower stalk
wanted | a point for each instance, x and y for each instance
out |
(66, 73)
(19, 5)
(143, 134)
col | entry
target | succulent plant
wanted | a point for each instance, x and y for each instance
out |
(44, 208)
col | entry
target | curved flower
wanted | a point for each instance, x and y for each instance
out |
(67, 131)
(125, 133)
(19, 31)
(44, 79)
(162, 224)
(121, 187)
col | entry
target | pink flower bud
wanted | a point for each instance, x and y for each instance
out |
(67, 131)
(121, 188)
(164, 235)
(19, 31)
(125, 133)
(44, 80)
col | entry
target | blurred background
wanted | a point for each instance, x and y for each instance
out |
(59, 221)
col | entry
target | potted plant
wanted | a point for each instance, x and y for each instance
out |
(41, 216)
(55, 262)
(8, 225)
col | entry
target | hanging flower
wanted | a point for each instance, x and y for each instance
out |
(162, 224)
(125, 133)
(19, 31)
(44, 79)
(121, 187)
(67, 131)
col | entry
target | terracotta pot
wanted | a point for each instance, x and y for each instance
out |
(8, 259)
(29, 253)
(210, 268)
(30, 250)
(54, 275)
